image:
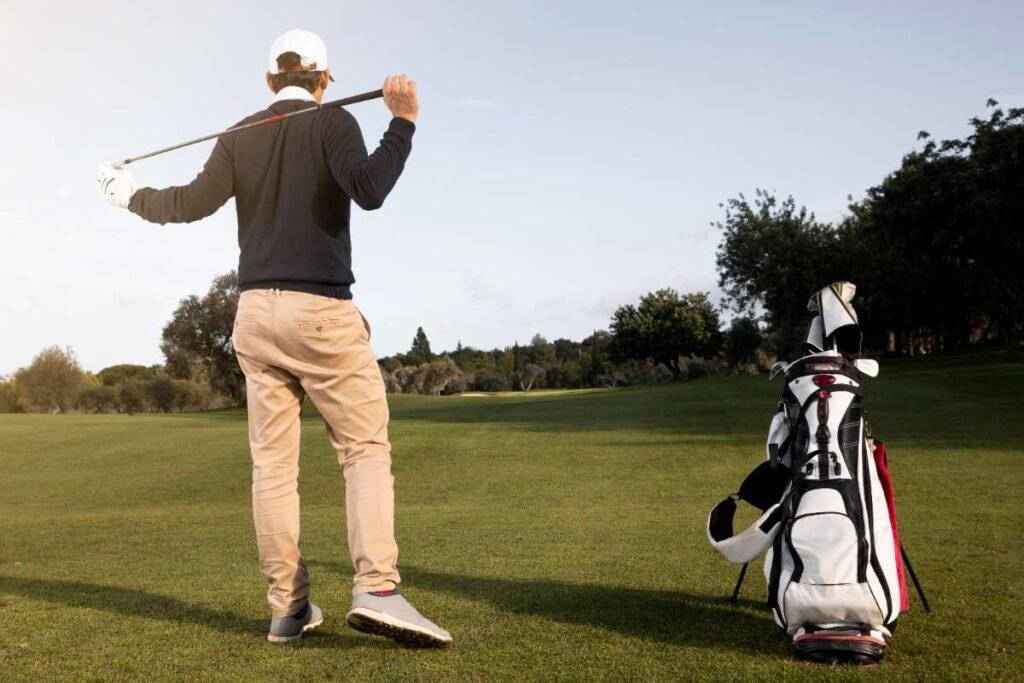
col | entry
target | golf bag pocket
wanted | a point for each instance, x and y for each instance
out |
(845, 604)
(824, 546)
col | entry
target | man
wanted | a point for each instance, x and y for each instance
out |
(297, 332)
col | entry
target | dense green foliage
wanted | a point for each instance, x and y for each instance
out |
(54, 382)
(935, 249)
(666, 336)
(48, 384)
(197, 340)
(666, 326)
(558, 536)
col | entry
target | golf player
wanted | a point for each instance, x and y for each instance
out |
(297, 331)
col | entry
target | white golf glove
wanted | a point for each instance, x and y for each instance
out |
(115, 185)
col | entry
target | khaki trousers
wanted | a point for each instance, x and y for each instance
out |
(289, 345)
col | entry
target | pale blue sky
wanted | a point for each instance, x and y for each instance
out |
(570, 155)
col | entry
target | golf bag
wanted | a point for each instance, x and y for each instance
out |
(828, 529)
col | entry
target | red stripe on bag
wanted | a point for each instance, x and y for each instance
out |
(881, 464)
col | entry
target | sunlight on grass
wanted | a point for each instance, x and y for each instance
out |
(556, 534)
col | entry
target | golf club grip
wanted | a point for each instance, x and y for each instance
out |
(353, 99)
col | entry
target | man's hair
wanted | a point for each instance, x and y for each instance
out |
(290, 63)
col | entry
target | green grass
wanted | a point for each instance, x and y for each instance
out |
(558, 536)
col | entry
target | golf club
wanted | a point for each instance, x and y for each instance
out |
(363, 97)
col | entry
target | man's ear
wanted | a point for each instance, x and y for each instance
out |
(270, 83)
(325, 78)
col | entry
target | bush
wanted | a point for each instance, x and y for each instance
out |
(49, 384)
(490, 382)
(130, 397)
(456, 386)
(11, 400)
(662, 374)
(693, 368)
(410, 379)
(116, 374)
(190, 396)
(747, 369)
(97, 399)
(437, 375)
(391, 383)
(638, 371)
(160, 391)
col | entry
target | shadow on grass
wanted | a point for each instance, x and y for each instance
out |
(668, 617)
(135, 603)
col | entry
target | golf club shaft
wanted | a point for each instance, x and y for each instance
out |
(363, 97)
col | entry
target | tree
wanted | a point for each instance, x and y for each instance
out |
(542, 353)
(665, 326)
(130, 397)
(191, 396)
(11, 400)
(773, 256)
(116, 374)
(197, 340)
(161, 393)
(947, 222)
(531, 374)
(437, 375)
(49, 383)
(744, 340)
(410, 379)
(97, 399)
(593, 358)
(935, 248)
(389, 364)
(421, 347)
(391, 383)
(566, 350)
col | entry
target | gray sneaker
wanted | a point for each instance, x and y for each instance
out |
(289, 629)
(390, 615)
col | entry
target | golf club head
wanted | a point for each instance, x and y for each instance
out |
(866, 366)
(777, 368)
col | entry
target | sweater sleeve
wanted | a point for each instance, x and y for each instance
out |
(366, 179)
(186, 203)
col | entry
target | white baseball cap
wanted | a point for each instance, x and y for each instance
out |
(308, 46)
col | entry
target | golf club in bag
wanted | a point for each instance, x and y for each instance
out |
(833, 559)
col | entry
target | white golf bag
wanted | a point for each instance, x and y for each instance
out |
(828, 529)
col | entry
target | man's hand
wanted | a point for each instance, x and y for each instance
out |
(115, 185)
(400, 96)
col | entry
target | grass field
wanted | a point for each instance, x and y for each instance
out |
(558, 536)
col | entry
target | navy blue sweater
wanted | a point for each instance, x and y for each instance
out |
(293, 183)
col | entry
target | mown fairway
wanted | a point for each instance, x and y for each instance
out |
(556, 536)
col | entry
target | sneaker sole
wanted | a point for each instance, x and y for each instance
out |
(402, 632)
(291, 639)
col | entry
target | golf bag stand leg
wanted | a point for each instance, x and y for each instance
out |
(913, 576)
(739, 582)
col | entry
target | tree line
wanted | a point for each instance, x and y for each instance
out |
(665, 336)
(935, 248)
(54, 382)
